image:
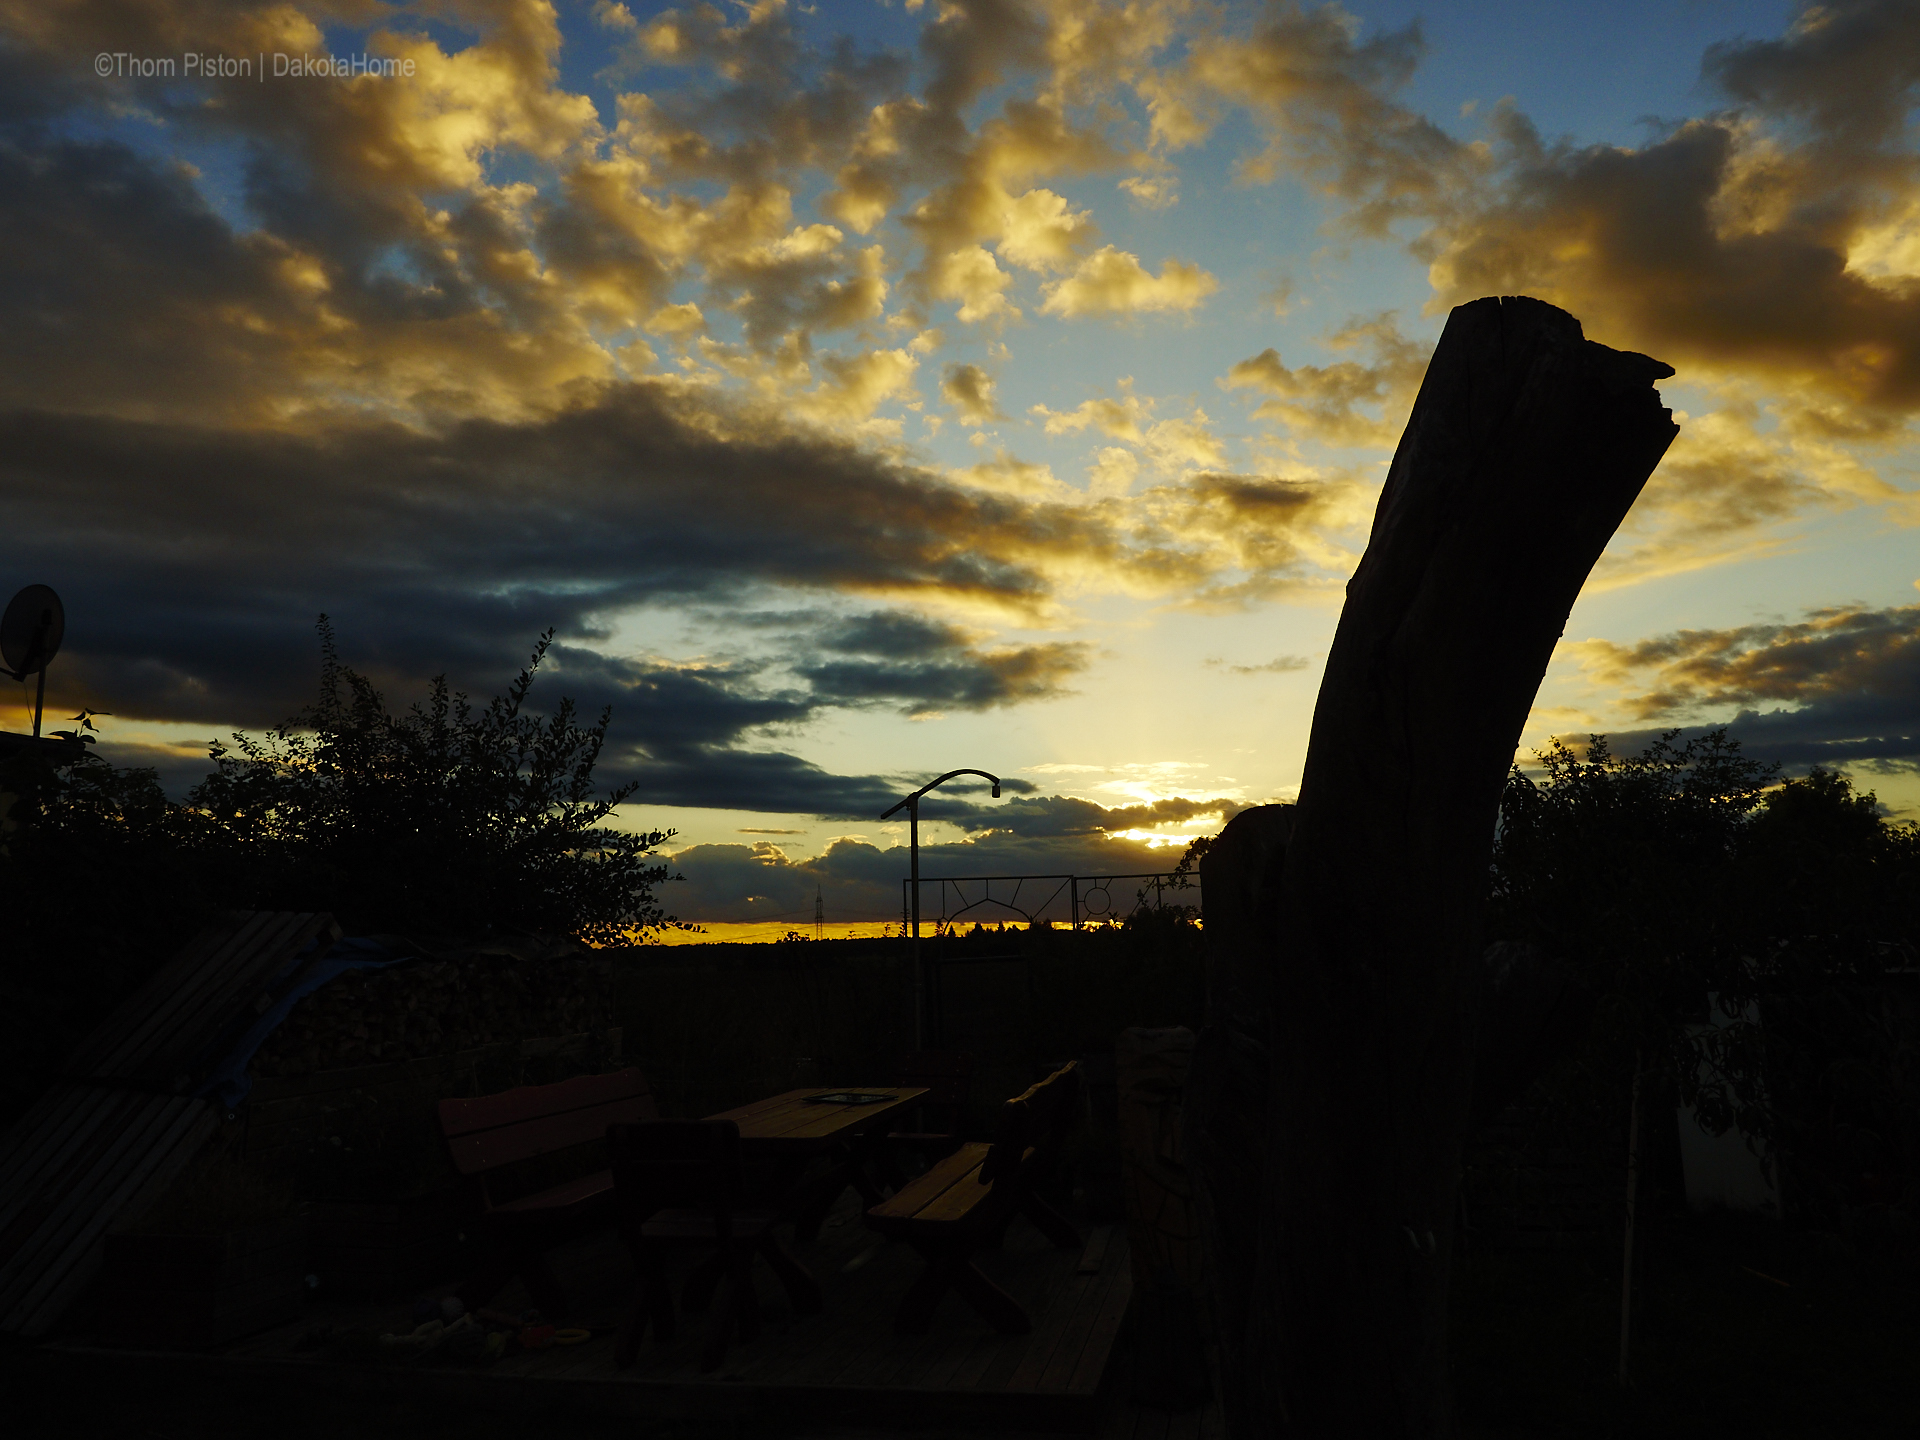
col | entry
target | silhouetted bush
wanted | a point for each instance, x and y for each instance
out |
(1683, 872)
(446, 821)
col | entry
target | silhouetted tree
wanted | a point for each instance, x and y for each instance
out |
(1827, 896)
(1626, 869)
(446, 820)
(1817, 860)
(1662, 878)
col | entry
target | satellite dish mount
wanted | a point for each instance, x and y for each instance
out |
(30, 636)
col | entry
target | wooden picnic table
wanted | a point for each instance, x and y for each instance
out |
(794, 1129)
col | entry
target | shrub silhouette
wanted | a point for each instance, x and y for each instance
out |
(446, 821)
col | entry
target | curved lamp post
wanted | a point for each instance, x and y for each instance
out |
(912, 806)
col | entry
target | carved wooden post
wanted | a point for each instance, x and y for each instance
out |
(1525, 449)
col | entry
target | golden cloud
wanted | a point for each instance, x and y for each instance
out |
(1318, 401)
(1120, 417)
(1006, 474)
(855, 386)
(1113, 282)
(1152, 192)
(1732, 482)
(969, 389)
(1772, 242)
(677, 320)
(1322, 97)
(1178, 444)
(1112, 472)
(499, 298)
(973, 277)
(1864, 661)
(1227, 540)
(1039, 232)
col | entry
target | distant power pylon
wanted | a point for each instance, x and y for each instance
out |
(819, 915)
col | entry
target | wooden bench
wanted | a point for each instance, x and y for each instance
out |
(965, 1202)
(492, 1134)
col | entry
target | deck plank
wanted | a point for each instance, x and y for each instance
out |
(1063, 1365)
(872, 1297)
(1091, 1363)
(803, 1352)
(281, 1340)
(894, 1363)
(568, 1362)
(821, 1356)
(818, 1347)
(1081, 1370)
(1005, 1360)
(940, 1371)
(961, 1366)
(1076, 1312)
(1093, 1255)
(1049, 1297)
(1060, 1320)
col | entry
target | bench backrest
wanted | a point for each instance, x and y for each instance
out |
(1033, 1125)
(494, 1130)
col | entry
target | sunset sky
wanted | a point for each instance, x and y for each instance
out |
(864, 390)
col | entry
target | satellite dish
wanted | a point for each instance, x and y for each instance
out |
(31, 631)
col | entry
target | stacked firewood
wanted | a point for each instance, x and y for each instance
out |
(438, 1007)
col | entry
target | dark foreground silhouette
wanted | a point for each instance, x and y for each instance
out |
(1744, 1330)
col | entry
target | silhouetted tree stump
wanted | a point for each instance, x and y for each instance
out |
(1334, 1082)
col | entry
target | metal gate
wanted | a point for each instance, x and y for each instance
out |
(1070, 899)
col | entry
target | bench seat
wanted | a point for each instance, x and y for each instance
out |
(954, 1180)
(951, 1192)
(964, 1203)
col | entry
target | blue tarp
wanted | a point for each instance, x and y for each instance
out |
(229, 1082)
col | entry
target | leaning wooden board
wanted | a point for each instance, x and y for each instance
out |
(228, 973)
(119, 1125)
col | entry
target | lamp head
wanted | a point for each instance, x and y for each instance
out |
(996, 789)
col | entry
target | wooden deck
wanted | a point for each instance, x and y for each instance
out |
(845, 1367)
(1123, 1420)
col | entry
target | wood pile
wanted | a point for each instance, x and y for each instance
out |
(439, 1006)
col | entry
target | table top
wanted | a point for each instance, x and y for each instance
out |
(788, 1121)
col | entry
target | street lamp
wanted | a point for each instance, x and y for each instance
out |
(912, 806)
